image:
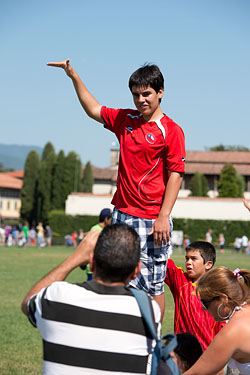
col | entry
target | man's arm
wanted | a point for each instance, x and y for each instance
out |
(88, 102)
(161, 225)
(80, 256)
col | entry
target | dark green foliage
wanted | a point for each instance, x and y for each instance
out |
(228, 148)
(227, 185)
(63, 224)
(88, 179)
(58, 190)
(44, 187)
(241, 184)
(28, 192)
(72, 174)
(199, 185)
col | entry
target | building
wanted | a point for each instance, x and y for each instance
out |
(209, 163)
(10, 196)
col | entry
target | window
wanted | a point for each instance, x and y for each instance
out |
(8, 205)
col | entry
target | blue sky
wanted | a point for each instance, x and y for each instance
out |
(201, 46)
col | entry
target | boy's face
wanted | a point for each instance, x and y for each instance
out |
(146, 100)
(194, 264)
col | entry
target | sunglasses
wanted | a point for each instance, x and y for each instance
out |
(205, 303)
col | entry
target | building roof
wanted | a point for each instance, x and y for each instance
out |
(10, 182)
(17, 174)
(108, 174)
(212, 162)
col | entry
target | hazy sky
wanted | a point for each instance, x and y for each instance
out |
(201, 46)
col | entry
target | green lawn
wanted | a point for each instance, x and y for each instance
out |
(20, 268)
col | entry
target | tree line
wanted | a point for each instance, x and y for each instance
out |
(231, 184)
(49, 180)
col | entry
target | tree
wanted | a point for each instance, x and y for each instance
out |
(58, 196)
(44, 187)
(199, 185)
(227, 185)
(228, 148)
(88, 179)
(241, 184)
(28, 191)
(72, 174)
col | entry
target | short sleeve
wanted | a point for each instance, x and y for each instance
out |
(112, 119)
(175, 142)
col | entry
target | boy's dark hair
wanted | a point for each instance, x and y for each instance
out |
(188, 349)
(147, 75)
(117, 253)
(206, 250)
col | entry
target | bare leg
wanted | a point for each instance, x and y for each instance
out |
(160, 299)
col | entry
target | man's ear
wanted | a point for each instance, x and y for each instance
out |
(208, 265)
(160, 93)
(136, 271)
(92, 262)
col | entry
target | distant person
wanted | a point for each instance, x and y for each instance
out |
(189, 315)
(237, 244)
(221, 241)
(32, 236)
(40, 234)
(74, 238)
(225, 294)
(25, 230)
(151, 165)
(209, 237)
(244, 244)
(80, 236)
(48, 235)
(104, 220)
(94, 327)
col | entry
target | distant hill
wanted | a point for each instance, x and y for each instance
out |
(14, 156)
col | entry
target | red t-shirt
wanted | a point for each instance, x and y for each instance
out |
(189, 314)
(145, 158)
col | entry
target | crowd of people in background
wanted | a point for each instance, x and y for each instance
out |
(24, 235)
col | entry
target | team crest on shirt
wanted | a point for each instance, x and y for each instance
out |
(150, 138)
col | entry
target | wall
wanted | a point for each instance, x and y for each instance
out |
(193, 208)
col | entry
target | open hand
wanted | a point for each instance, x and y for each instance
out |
(64, 65)
(160, 229)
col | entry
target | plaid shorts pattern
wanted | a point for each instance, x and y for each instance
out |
(153, 258)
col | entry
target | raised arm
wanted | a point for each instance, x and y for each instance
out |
(79, 256)
(88, 102)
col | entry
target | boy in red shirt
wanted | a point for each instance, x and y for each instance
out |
(189, 314)
(151, 164)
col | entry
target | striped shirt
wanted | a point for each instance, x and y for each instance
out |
(91, 328)
(189, 314)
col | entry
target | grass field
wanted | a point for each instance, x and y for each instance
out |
(20, 268)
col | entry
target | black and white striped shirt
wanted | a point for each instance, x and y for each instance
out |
(91, 328)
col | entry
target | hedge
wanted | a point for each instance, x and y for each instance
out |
(195, 229)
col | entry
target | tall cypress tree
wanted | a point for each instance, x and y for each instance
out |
(45, 183)
(88, 179)
(198, 185)
(227, 185)
(72, 173)
(28, 192)
(58, 196)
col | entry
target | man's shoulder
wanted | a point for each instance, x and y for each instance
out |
(170, 124)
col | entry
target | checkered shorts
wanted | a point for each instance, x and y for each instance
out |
(153, 258)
